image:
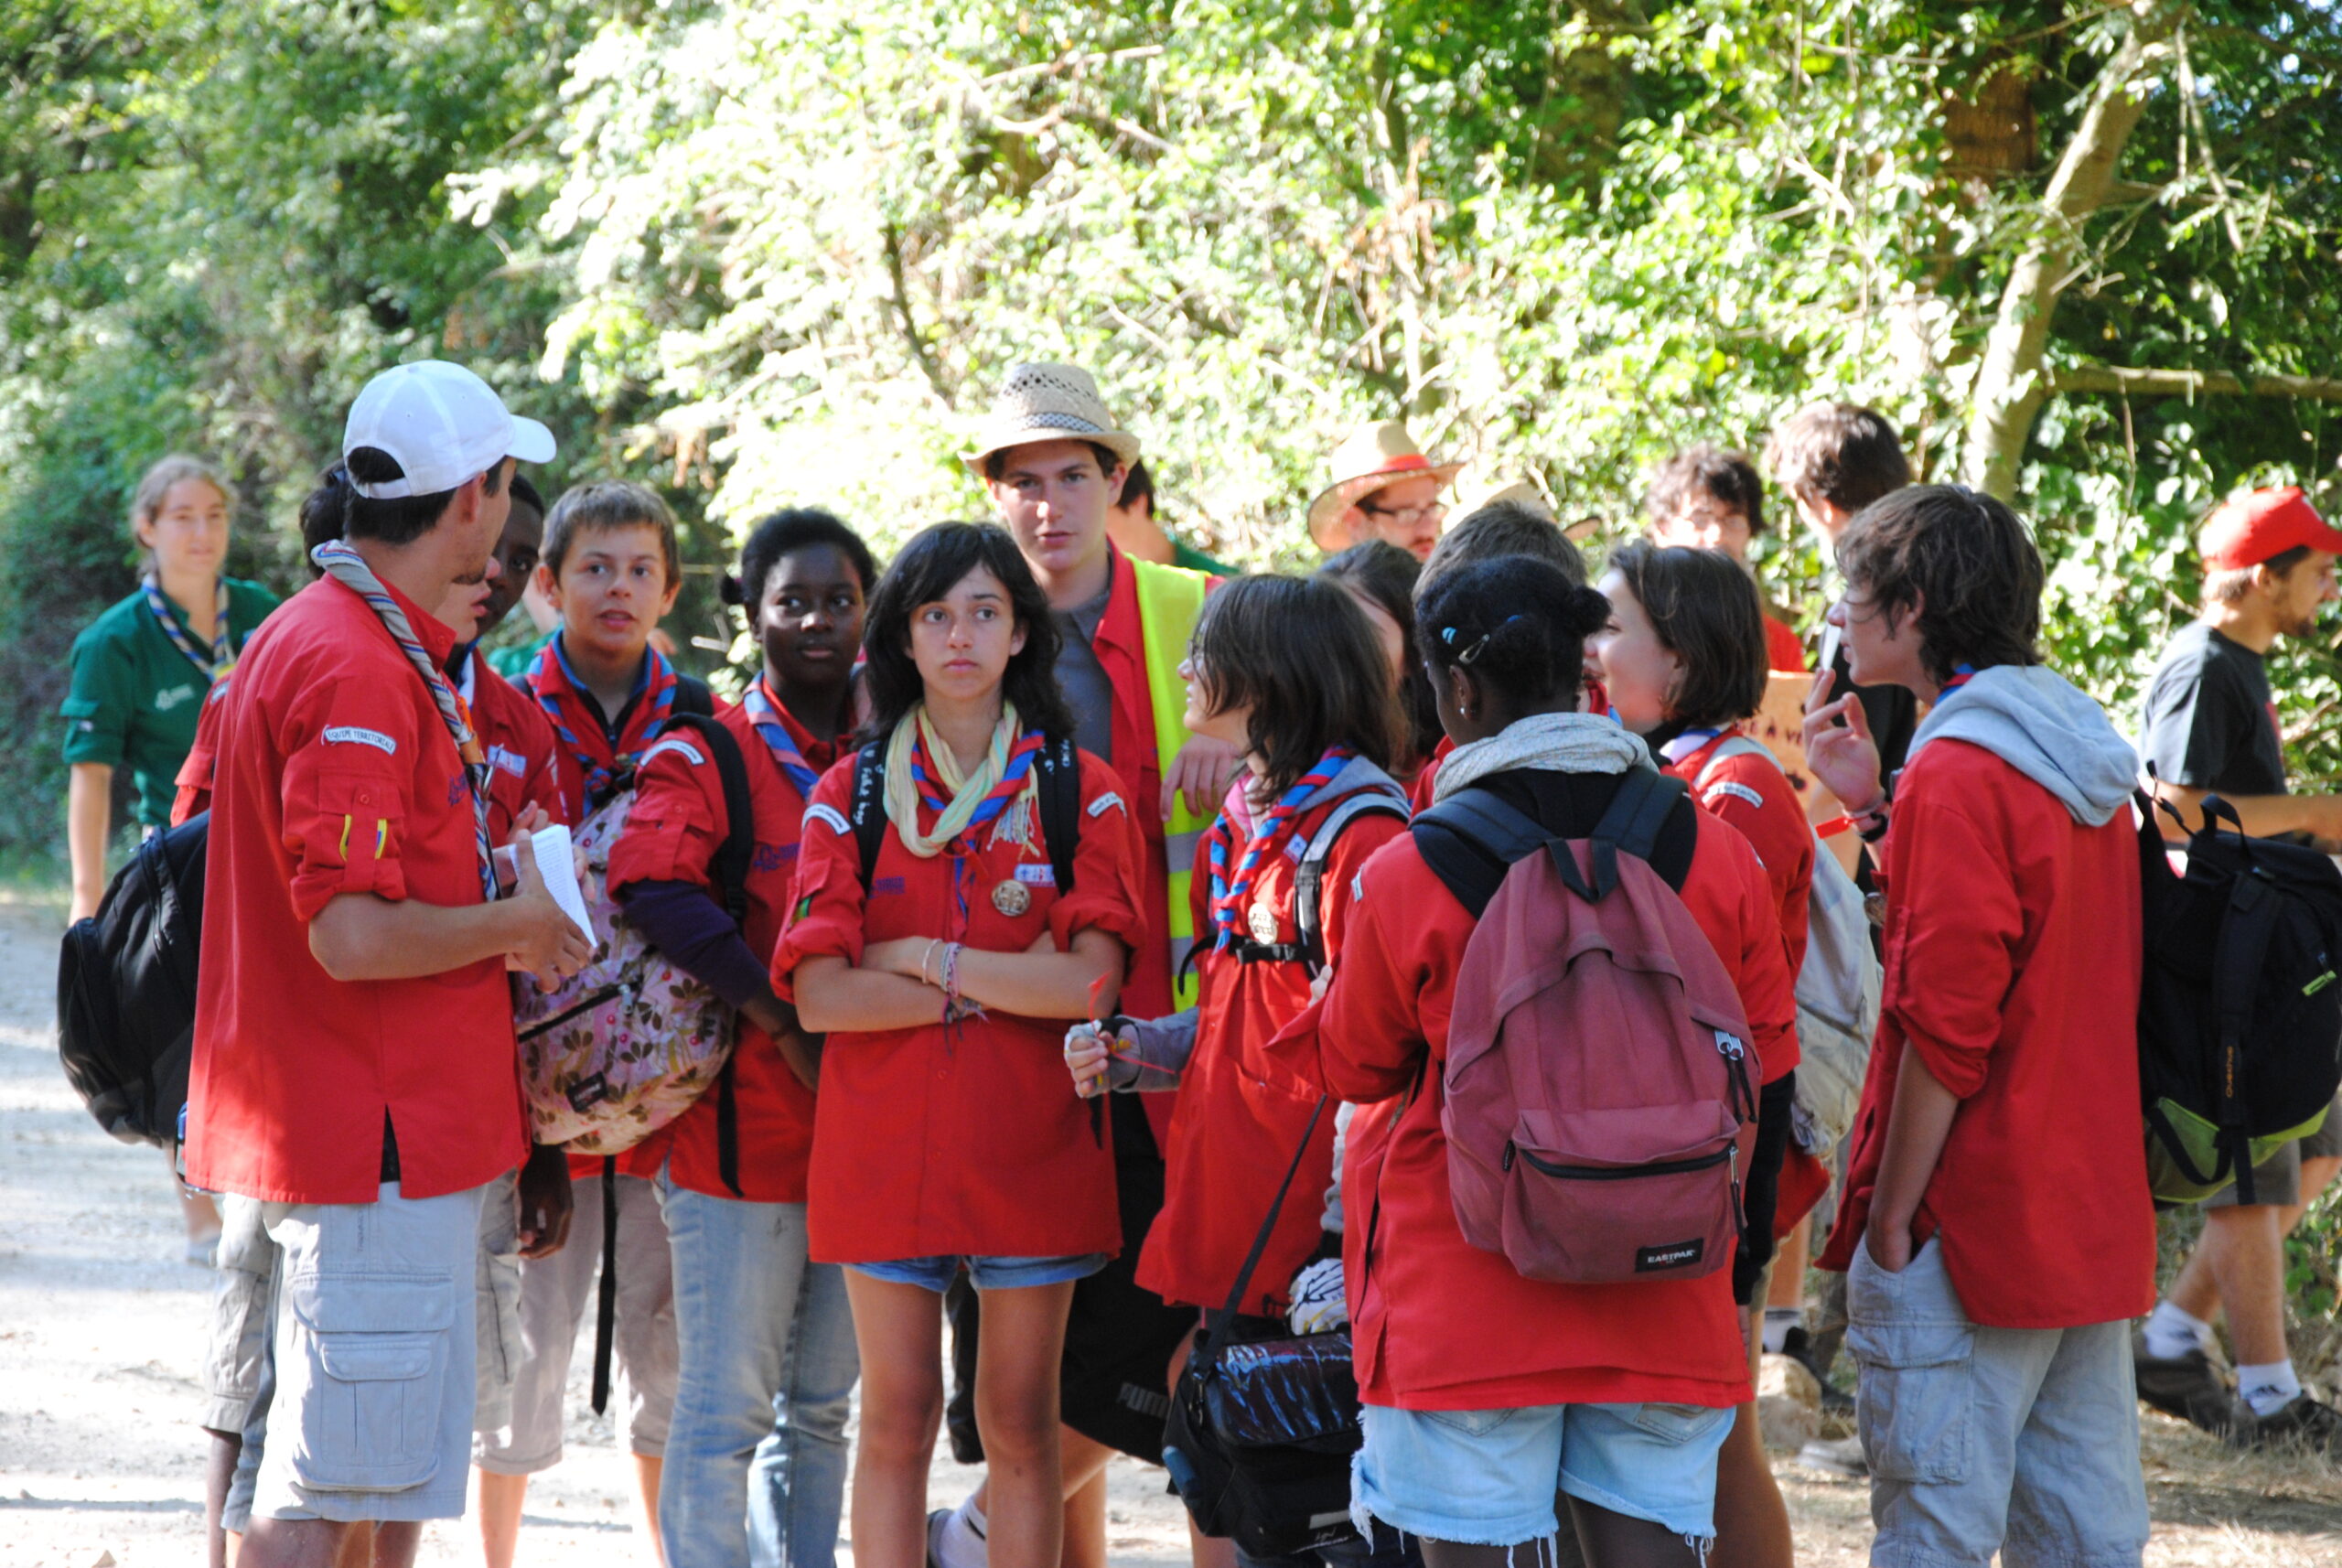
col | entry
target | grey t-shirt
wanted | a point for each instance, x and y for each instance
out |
(1083, 680)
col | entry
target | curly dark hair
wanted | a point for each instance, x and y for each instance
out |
(1839, 453)
(1703, 608)
(1386, 574)
(1517, 622)
(1705, 470)
(1963, 561)
(926, 569)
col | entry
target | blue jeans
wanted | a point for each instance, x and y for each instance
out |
(756, 1461)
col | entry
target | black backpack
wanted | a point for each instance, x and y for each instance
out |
(2240, 1015)
(125, 989)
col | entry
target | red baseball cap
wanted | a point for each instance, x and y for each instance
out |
(2252, 528)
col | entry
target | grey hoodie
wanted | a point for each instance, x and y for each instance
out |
(2047, 729)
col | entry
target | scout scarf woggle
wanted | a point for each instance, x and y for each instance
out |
(1274, 826)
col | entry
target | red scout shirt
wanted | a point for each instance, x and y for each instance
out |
(1247, 1094)
(523, 758)
(337, 776)
(193, 781)
(970, 1139)
(1752, 793)
(2004, 973)
(1437, 1323)
(677, 824)
(1784, 650)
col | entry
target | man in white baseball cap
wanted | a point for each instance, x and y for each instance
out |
(354, 1056)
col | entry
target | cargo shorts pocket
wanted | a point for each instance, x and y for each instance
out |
(370, 1354)
(1917, 1362)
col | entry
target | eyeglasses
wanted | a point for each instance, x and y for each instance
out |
(1431, 510)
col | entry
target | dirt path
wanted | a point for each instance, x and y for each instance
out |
(101, 1337)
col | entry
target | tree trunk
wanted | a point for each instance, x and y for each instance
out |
(2009, 384)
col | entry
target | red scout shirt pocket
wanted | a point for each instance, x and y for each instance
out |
(348, 840)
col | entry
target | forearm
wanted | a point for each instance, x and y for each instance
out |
(1918, 1125)
(1038, 985)
(833, 994)
(2263, 816)
(88, 812)
(1160, 1051)
(694, 934)
(359, 936)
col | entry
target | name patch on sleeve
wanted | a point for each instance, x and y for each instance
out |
(828, 817)
(1099, 806)
(351, 734)
(676, 744)
(1735, 792)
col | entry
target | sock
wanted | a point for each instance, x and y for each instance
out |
(1778, 1321)
(2268, 1389)
(960, 1543)
(2171, 1333)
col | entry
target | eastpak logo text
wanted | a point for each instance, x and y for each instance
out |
(1673, 1255)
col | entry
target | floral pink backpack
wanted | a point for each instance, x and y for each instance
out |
(627, 1044)
(1598, 1104)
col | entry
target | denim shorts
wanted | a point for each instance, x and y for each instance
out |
(988, 1273)
(1487, 1478)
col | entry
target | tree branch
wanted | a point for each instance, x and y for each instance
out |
(2135, 382)
(2009, 385)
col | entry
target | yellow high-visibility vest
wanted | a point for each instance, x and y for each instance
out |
(1169, 600)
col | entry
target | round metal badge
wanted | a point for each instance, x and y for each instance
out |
(1012, 897)
(1264, 923)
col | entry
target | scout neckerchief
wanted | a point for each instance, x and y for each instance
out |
(214, 662)
(1690, 742)
(770, 719)
(1960, 675)
(348, 568)
(1274, 826)
(601, 771)
(920, 767)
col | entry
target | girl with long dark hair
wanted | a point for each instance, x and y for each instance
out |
(943, 969)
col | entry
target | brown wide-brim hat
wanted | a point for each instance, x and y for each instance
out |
(1048, 403)
(1370, 457)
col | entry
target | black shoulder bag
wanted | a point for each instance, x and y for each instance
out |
(1261, 1430)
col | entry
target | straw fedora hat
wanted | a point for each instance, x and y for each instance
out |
(1520, 493)
(1369, 458)
(1048, 403)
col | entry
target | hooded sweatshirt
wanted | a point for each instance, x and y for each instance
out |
(2047, 729)
(2012, 965)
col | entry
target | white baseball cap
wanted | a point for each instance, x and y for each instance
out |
(442, 423)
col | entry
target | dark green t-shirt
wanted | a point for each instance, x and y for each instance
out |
(135, 697)
(1196, 561)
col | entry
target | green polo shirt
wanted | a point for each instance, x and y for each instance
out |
(135, 697)
(513, 662)
(1196, 561)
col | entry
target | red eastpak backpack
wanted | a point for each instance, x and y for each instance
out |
(1598, 1107)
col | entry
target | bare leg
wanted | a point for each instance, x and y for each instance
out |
(2317, 1174)
(395, 1545)
(1614, 1541)
(325, 1543)
(219, 1475)
(1022, 1343)
(1789, 1266)
(1752, 1523)
(2240, 1265)
(500, 1500)
(898, 1329)
(1085, 1524)
(1455, 1554)
(648, 1467)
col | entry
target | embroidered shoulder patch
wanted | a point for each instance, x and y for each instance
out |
(1736, 792)
(1108, 799)
(828, 817)
(1038, 876)
(351, 734)
(677, 743)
